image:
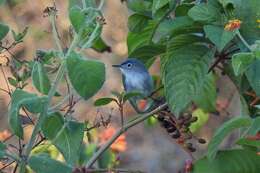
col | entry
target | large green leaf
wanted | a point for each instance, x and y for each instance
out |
(183, 9)
(219, 36)
(65, 135)
(229, 161)
(2, 149)
(137, 22)
(203, 13)
(255, 127)
(180, 25)
(241, 62)
(4, 29)
(248, 13)
(42, 163)
(86, 76)
(248, 142)
(183, 40)
(206, 98)
(40, 79)
(140, 6)
(223, 131)
(184, 73)
(77, 18)
(157, 4)
(253, 76)
(136, 40)
(148, 52)
(31, 102)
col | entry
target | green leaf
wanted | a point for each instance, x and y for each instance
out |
(241, 62)
(230, 3)
(67, 136)
(86, 76)
(253, 76)
(137, 22)
(86, 153)
(157, 4)
(12, 81)
(206, 98)
(236, 161)
(42, 163)
(180, 41)
(140, 6)
(184, 72)
(104, 101)
(31, 102)
(90, 3)
(223, 131)
(248, 13)
(183, 9)
(100, 46)
(19, 37)
(180, 25)
(202, 120)
(4, 29)
(148, 52)
(40, 79)
(256, 49)
(255, 127)
(2, 2)
(106, 160)
(77, 18)
(2, 150)
(203, 13)
(129, 95)
(46, 55)
(136, 40)
(248, 142)
(219, 36)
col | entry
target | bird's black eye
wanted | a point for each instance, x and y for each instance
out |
(129, 65)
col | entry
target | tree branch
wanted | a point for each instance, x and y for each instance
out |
(121, 131)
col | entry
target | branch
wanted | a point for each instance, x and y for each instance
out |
(55, 32)
(243, 40)
(121, 131)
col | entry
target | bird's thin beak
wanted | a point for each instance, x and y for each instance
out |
(117, 65)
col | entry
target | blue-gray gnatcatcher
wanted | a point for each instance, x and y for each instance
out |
(136, 78)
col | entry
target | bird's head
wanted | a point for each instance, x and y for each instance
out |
(132, 67)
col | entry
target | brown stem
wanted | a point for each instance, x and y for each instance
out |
(122, 130)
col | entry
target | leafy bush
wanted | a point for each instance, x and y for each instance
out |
(194, 40)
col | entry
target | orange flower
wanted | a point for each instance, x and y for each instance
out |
(233, 25)
(119, 145)
(4, 134)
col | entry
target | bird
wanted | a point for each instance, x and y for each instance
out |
(136, 78)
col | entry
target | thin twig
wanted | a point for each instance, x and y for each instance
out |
(6, 81)
(121, 131)
(7, 165)
(243, 40)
